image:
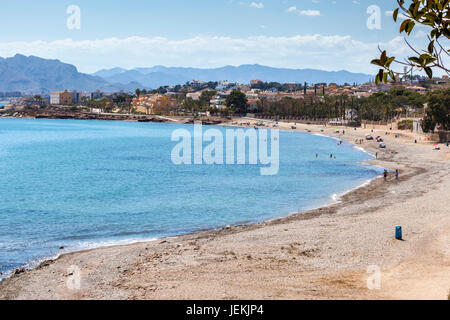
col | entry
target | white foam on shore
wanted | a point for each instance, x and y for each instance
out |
(325, 136)
(89, 245)
(364, 150)
(81, 246)
(345, 141)
(337, 198)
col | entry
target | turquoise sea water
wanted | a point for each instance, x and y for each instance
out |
(84, 184)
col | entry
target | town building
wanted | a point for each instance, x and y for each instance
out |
(194, 95)
(333, 86)
(256, 83)
(61, 98)
(219, 100)
(11, 94)
(224, 85)
(75, 97)
(154, 103)
(96, 95)
(197, 84)
(417, 89)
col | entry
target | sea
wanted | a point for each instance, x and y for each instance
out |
(69, 185)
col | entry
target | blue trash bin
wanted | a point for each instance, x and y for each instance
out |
(398, 233)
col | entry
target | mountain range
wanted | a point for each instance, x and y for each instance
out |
(159, 75)
(37, 75)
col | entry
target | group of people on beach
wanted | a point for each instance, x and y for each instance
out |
(331, 156)
(397, 174)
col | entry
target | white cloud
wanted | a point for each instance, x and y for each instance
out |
(257, 5)
(317, 51)
(310, 13)
(391, 14)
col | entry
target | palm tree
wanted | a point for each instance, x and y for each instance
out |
(38, 98)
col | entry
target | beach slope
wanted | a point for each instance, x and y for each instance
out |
(320, 254)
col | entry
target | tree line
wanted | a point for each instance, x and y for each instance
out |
(382, 106)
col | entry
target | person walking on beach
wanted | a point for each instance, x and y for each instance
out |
(385, 175)
(396, 174)
(376, 155)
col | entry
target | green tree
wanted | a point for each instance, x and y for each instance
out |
(206, 97)
(237, 102)
(190, 105)
(438, 111)
(431, 14)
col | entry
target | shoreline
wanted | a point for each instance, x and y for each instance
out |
(10, 288)
(37, 263)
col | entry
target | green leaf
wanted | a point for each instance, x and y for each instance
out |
(429, 72)
(404, 25)
(383, 57)
(389, 62)
(431, 47)
(415, 60)
(377, 62)
(377, 79)
(392, 75)
(395, 15)
(410, 27)
(433, 33)
(380, 75)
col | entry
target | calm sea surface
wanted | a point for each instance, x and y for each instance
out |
(85, 184)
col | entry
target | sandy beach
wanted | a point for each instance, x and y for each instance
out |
(320, 254)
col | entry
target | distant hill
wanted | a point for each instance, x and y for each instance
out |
(108, 73)
(159, 75)
(37, 75)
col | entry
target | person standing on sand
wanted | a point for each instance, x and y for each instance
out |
(396, 174)
(385, 175)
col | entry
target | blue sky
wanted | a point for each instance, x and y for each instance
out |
(322, 34)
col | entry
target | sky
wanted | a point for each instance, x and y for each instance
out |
(320, 34)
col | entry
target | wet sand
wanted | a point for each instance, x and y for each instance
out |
(319, 254)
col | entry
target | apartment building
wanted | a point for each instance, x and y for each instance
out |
(61, 98)
(75, 97)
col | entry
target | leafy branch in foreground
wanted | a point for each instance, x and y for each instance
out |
(433, 14)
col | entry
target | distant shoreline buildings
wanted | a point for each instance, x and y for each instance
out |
(170, 98)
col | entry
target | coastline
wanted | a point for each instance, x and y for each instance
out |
(335, 199)
(14, 287)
